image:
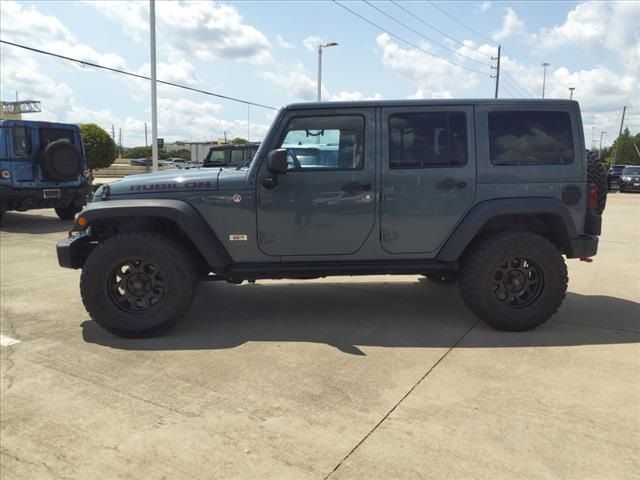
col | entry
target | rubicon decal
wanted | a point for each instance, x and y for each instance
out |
(170, 186)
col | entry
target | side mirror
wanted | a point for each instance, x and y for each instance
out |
(277, 161)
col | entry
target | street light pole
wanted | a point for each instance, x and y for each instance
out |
(571, 89)
(320, 47)
(600, 151)
(544, 76)
(154, 94)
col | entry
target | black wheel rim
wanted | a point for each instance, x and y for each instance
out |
(136, 286)
(518, 282)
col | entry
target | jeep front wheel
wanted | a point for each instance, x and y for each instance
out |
(514, 281)
(138, 284)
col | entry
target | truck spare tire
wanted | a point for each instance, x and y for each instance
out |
(597, 175)
(61, 161)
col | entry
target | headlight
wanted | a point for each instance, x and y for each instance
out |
(5, 174)
(626, 179)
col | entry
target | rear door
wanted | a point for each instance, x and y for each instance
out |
(428, 175)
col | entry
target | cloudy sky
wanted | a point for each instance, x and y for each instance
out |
(265, 52)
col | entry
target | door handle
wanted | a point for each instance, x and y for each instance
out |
(355, 187)
(450, 184)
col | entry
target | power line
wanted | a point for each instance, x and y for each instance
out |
(460, 22)
(423, 36)
(407, 41)
(515, 86)
(434, 28)
(123, 72)
(518, 84)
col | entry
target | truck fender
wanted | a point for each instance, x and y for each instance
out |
(181, 213)
(483, 212)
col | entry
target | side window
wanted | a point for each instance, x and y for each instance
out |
(237, 156)
(328, 142)
(423, 140)
(530, 138)
(216, 157)
(21, 141)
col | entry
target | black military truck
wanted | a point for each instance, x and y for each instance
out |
(42, 165)
(493, 194)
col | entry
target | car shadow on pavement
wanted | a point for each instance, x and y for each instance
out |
(360, 314)
(18, 222)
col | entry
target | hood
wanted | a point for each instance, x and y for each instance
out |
(193, 179)
(233, 179)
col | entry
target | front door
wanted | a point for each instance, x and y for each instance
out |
(325, 203)
(428, 175)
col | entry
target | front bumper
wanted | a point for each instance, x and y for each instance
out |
(23, 199)
(632, 186)
(583, 246)
(73, 251)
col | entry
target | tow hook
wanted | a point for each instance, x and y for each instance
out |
(586, 259)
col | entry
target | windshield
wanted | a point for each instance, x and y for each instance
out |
(631, 171)
(215, 157)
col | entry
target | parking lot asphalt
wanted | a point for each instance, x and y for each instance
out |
(366, 377)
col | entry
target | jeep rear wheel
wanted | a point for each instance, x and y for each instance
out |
(138, 284)
(514, 281)
(68, 212)
(597, 175)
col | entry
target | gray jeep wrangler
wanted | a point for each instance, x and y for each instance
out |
(42, 165)
(489, 193)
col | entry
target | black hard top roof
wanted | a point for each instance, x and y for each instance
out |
(530, 102)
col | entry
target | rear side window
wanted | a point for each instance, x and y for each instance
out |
(422, 140)
(48, 135)
(21, 141)
(237, 156)
(530, 138)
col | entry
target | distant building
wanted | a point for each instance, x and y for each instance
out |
(198, 150)
(14, 110)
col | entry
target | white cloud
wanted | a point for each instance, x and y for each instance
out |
(598, 26)
(311, 43)
(511, 25)
(179, 71)
(204, 29)
(485, 5)
(354, 95)
(282, 43)
(296, 82)
(432, 76)
(28, 25)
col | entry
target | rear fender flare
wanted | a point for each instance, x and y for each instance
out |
(483, 212)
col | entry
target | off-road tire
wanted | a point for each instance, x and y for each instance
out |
(61, 161)
(178, 276)
(478, 280)
(68, 212)
(442, 277)
(597, 175)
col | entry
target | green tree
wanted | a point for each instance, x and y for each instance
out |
(98, 145)
(624, 150)
(239, 141)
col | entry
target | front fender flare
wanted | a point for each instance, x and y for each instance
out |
(181, 213)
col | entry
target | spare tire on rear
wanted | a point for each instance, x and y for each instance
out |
(60, 161)
(597, 175)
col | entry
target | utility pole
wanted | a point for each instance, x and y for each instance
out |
(154, 86)
(320, 47)
(593, 138)
(624, 110)
(146, 143)
(544, 76)
(571, 89)
(248, 122)
(600, 151)
(497, 69)
(120, 142)
(113, 132)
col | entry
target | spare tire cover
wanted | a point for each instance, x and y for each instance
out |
(61, 161)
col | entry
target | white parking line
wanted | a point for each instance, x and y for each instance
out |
(7, 341)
